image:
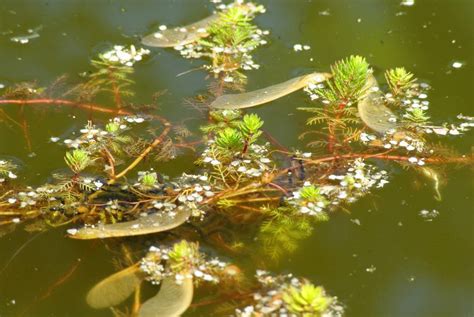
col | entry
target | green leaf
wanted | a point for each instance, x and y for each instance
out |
(399, 80)
(77, 160)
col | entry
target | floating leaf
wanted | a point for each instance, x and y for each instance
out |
(144, 225)
(180, 35)
(116, 288)
(171, 300)
(372, 111)
(264, 95)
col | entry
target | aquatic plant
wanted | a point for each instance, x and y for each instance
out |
(6, 170)
(226, 39)
(245, 191)
(113, 71)
(285, 295)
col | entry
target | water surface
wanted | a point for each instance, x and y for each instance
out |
(393, 264)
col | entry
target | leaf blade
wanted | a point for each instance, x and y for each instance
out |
(144, 225)
(172, 300)
(115, 288)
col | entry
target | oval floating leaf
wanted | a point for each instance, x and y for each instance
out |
(144, 225)
(372, 111)
(172, 300)
(116, 288)
(264, 95)
(180, 35)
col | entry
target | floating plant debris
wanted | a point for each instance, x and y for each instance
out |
(24, 39)
(264, 95)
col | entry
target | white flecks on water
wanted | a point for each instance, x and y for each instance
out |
(301, 47)
(371, 269)
(356, 221)
(24, 39)
(457, 65)
(428, 215)
(407, 3)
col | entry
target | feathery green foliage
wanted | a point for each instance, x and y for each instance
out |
(283, 230)
(399, 80)
(307, 300)
(347, 83)
(234, 28)
(417, 115)
(148, 179)
(182, 255)
(250, 127)
(229, 41)
(337, 115)
(311, 193)
(77, 160)
(110, 77)
(229, 141)
(221, 119)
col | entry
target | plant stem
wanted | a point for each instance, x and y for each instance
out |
(155, 142)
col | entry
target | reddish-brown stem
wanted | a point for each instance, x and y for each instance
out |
(60, 281)
(111, 162)
(274, 141)
(116, 91)
(24, 128)
(60, 102)
(284, 191)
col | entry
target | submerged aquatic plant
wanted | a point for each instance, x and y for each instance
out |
(246, 192)
(7, 169)
(113, 70)
(77, 160)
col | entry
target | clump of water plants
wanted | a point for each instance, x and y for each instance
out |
(285, 295)
(244, 192)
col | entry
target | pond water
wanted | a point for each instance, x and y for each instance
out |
(381, 259)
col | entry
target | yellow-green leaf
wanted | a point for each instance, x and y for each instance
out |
(172, 300)
(157, 222)
(264, 95)
(116, 288)
(372, 111)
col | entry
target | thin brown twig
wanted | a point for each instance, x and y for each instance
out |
(155, 142)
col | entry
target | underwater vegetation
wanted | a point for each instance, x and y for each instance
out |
(245, 191)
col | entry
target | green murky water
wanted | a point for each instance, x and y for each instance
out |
(393, 264)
